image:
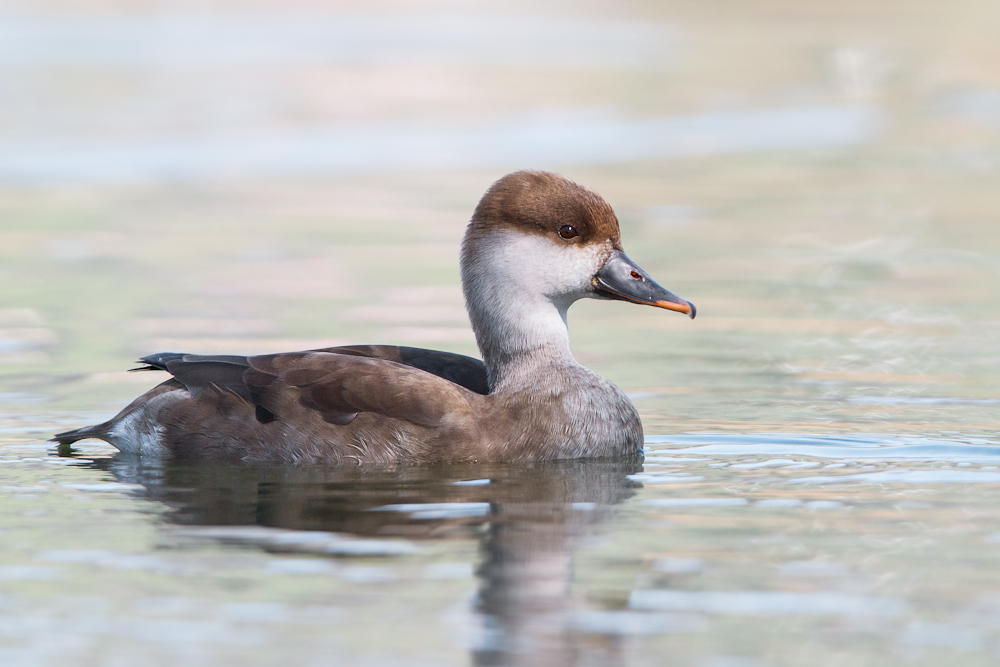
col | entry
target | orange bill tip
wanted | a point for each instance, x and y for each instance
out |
(686, 307)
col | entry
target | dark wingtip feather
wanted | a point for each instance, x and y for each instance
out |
(158, 361)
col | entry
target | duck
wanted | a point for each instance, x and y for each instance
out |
(537, 242)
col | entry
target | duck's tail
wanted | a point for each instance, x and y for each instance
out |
(100, 431)
(154, 362)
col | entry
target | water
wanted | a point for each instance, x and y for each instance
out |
(822, 463)
(568, 139)
(558, 563)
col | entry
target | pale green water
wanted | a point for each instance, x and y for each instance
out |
(821, 183)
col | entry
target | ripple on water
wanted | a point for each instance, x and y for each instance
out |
(617, 622)
(695, 502)
(920, 400)
(766, 603)
(437, 510)
(303, 541)
(908, 477)
(859, 446)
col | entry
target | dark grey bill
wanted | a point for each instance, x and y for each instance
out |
(621, 278)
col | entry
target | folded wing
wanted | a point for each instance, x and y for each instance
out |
(337, 384)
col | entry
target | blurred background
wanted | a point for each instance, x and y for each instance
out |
(819, 178)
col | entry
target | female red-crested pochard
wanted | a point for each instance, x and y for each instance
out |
(537, 242)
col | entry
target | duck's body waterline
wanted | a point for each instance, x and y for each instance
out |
(536, 244)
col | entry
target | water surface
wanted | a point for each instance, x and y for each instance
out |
(697, 553)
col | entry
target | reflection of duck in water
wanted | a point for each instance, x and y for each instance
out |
(536, 243)
(533, 520)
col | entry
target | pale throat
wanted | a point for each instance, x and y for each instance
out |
(518, 288)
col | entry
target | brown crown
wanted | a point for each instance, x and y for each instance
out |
(539, 202)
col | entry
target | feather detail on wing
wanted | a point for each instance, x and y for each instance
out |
(418, 386)
(340, 386)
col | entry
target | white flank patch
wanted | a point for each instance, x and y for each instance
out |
(136, 435)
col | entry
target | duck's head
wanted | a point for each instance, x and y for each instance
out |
(536, 236)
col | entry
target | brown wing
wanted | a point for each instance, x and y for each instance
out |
(340, 386)
(335, 385)
(226, 371)
(458, 368)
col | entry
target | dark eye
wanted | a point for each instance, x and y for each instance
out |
(568, 232)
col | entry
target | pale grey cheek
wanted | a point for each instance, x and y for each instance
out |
(573, 269)
(538, 264)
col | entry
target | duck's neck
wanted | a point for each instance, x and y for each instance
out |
(522, 342)
(521, 331)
